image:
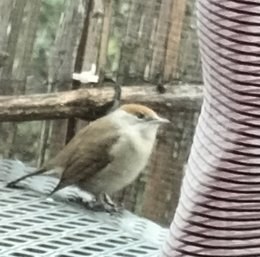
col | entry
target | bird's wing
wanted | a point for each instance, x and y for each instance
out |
(87, 153)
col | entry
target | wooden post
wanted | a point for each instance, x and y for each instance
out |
(15, 25)
(105, 35)
(189, 63)
(160, 39)
(174, 39)
(5, 11)
(130, 41)
(94, 30)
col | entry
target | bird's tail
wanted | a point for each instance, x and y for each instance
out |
(37, 172)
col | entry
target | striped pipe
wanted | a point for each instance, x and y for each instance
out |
(219, 209)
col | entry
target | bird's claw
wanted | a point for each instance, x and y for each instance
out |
(109, 205)
(104, 203)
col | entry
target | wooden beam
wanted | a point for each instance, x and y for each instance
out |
(91, 103)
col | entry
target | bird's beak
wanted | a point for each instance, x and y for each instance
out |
(163, 120)
(159, 120)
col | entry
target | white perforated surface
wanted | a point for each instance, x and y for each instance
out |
(33, 225)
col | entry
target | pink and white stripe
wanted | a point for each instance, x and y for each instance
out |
(219, 209)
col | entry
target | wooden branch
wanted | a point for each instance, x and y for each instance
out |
(91, 103)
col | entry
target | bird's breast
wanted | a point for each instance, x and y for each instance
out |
(129, 157)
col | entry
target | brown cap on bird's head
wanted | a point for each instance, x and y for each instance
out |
(143, 112)
(138, 109)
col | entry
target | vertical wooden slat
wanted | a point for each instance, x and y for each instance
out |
(173, 39)
(136, 47)
(24, 48)
(105, 35)
(5, 11)
(94, 28)
(143, 53)
(15, 25)
(130, 41)
(160, 39)
(189, 64)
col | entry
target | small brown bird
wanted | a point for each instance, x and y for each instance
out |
(108, 154)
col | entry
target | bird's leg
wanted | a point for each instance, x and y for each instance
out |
(103, 203)
(107, 202)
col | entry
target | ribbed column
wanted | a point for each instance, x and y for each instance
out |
(219, 209)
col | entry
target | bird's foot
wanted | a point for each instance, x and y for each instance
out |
(94, 206)
(109, 205)
(104, 203)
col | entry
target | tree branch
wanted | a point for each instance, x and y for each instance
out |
(91, 103)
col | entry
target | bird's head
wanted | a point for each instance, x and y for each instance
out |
(140, 117)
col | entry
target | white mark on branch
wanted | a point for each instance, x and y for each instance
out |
(87, 76)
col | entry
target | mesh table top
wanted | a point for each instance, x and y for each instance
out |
(33, 225)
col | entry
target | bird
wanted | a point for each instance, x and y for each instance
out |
(106, 155)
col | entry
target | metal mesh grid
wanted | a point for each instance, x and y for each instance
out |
(33, 225)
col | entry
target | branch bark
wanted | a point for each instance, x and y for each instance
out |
(91, 103)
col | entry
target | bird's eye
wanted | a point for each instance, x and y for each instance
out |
(140, 115)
